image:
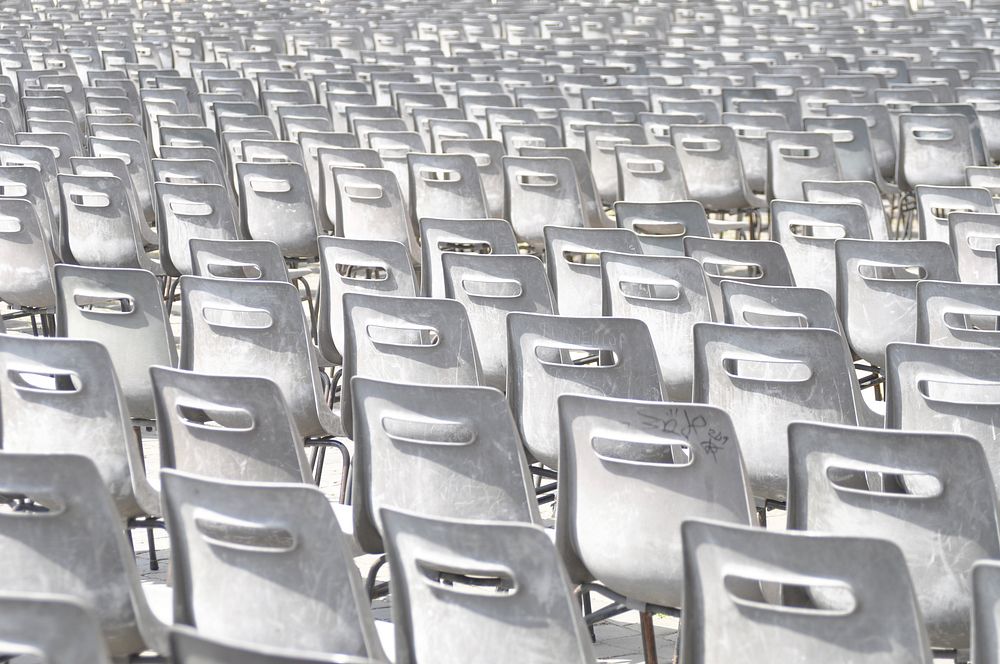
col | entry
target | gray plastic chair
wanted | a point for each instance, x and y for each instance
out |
(935, 204)
(661, 227)
(370, 206)
(72, 543)
(853, 146)
(603, 141)
(647, 455)
(123, 310)
(861, 193)
(830, 606)
(540, 192)
(58, 628)
(240, 259)
(226, 427)
(187, 646)
(191, 211)
(406, 339)
(668, 294)
(366, 266)
(441, 236)
(593, 209)
(751, 139)
(245, 552)
(808, 231)
(985, 592)
(796, 156)
(443, 451)
(480, 591)
(445, 186)
(958, 314)
(116, 167)
(974, 237)
(276, 205)
(573, 260)
(933, 149)
(649, 174)
(753, 261)
(553, 355)
(921, 491)
(876, 289)
(490, 287)
(766, 378)
(488, 155)
(26, 258)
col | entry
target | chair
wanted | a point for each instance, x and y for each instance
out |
(553, 355)
(123, 310)
(57, 628)
(647, 454)
(751, 138)
(935, 205)
(958, 314)
(974, 237)
(876, 289)
(984, 177)
(452, 600)
(70, 503)
(488, 155)
(276, 205)
(649, 174)
(753, 595)
(796, 156)
(406, 339)
(187, 646)
(920, 491)
(767, 377)
(26, 259)
(757, 261)
(573, 260)
(239, 259)
(187, 212)
(442, 451)
(226, 427)
(863, 193)
(934, 150)
(445, 186)
(603, 141)
(662, 226)
(245, 552)
(539, 192)
(808, 232)
(853, 146)
(441, 236)
(593, 209)
(370, 206)
(882, 131)
(116, 167)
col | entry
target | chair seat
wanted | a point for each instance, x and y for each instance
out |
(345, 519)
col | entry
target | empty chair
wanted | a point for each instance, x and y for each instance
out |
(767, 377)
(438, 617)
(877, 289)
(57, 628)
(958, 314)
(649, 174)
(276, 205)
(406, 339)
(539, 192)
(553, 355)
(849, 481)
(440, 236)
(933, 149)
(830, 605)
(488, 155)
(187, 212)
(669, 295)
(490, 287)
(239, 259)
(26, 258)
(187, 646)
(808, 232)
(593, 209)
(863, 193)
(349, 265)
(370, 206)
(753, 261)
(986, 177)
(233, 539)
(751, 139)
(662, 226)
(123, 310)
(603, 142)
(852, 143)
(439, 451)
(573, 259)
(974, 237)
(936, 204)
(445, 186)
(796, 156)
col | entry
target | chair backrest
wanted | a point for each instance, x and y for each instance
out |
(881, 132)
(974, 237)
(73, 543)
(437, 450)
(603, 141)
(187, 212)
(593, 208)
(123, 310)
(254, 328)
(796, 156)
(490, 287)
(488, 155)
(466, 590)
(852, 143)
(188, 646)
(406, 339)
(766, 378)
(445, 185)
(985, 640)
(26, 258)
(753, 261)
(245, 552)
(668, 294)
(370, 206)
(963, 315)
(933, 149)
(662, 226)
(713, 170)
(649, 454)
(649, 174)
(330, 157)
(877, 289)
(237, 259)
(227, 427)
(829, 601)
(553, 355)
(573, 259)
(808, 232)
(351, 265)
(540, 192)
(441, 236)
(919, 490)
(57, 628)
(935, 204)
(276, 205)
(751, 138)
(863, 193)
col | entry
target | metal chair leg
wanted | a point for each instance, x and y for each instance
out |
(648, 637)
